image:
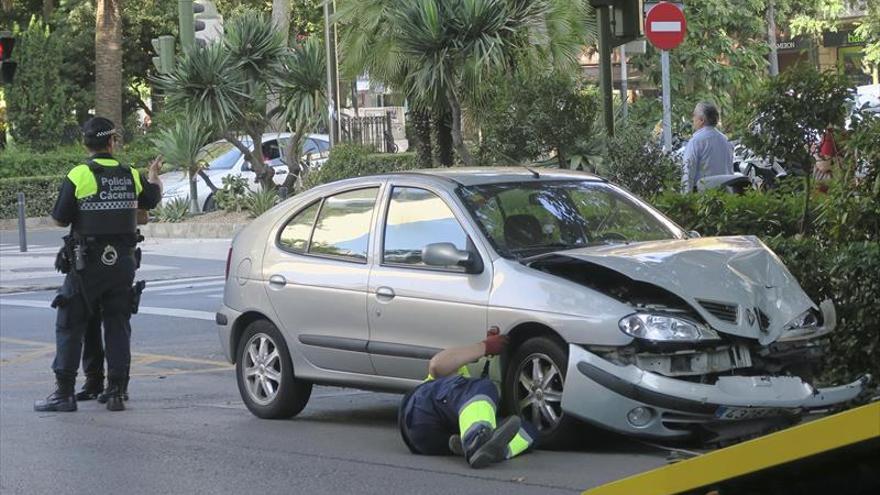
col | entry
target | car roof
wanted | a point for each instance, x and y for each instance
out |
(475, 176)
(268, 136)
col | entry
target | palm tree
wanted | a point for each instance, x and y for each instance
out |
(226, 86)
(303, 95)
(181, 145)
(108, 60)
(444, 51)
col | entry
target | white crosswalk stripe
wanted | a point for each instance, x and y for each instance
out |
(218, 285)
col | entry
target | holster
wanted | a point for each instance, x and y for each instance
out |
(137, 258)
(136, 290)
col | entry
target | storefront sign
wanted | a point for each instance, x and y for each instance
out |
(842, 38)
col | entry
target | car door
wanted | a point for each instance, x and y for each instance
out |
(317, 274)
(415, 310)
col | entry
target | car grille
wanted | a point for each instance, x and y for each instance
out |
(722, 311)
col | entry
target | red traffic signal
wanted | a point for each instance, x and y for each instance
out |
(7, 67)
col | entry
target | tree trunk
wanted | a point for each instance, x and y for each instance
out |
(421, 126)
(444, 141)
(457, 135)
(48, 9)
(108, 61)
(281, 17)
(193, 193)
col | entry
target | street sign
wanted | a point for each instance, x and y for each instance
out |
(665, 25)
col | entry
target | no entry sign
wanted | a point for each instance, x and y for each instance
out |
(665, 25)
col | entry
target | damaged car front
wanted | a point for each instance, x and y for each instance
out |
(710, 337)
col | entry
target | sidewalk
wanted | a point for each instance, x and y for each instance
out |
(163, 259)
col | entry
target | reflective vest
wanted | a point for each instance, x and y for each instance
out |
(106, 195)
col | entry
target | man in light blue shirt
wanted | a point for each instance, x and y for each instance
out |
(708, 152)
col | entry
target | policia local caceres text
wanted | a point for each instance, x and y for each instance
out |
(100, 201)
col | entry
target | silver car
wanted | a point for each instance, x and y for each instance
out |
(616, 316)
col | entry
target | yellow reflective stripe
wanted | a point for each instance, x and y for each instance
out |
(478, 410)
(518, 445)
(138, 187)
(83, 181)
(463, 371)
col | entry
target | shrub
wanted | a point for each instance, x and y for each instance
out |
(638, 163)
(173, 211)
(231, 197)
(39, 192)
(354, 161)
(259, 202)
(21, 162)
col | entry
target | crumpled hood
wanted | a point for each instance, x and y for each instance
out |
(739, 271)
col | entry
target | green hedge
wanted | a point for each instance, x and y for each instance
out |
(354, 161)
(24, 163)
(848, 275)
(39, 193)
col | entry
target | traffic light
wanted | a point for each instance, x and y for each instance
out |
(626, 19)
(7, 66)
(164, 48)
(207, 23)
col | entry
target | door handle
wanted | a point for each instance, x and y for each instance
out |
(277, 281)
(385, 293)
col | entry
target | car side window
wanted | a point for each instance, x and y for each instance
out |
(343, 225)
(295, 235)
(271, 150)
(417, 217)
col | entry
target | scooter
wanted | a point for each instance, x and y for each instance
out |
(763, 173)
(732, 183)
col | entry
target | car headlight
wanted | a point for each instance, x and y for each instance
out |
(665, 328)
(802, 327)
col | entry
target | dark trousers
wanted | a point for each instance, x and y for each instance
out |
(102, 292)
(93, 347)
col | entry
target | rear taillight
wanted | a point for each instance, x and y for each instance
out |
(228, 261)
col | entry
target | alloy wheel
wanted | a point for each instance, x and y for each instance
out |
(262, 369)
(539, 391)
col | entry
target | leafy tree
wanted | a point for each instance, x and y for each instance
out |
(635, 161)
(790, 112)
(36, 103)
(536, 116)
(181, 145)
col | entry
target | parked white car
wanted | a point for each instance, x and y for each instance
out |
(226, 160)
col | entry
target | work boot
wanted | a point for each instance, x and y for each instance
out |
(455, 446)
(102, 397)
(489, 446)
(92, 388)
(113, 395)
(63, 399)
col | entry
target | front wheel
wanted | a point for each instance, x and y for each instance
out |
(265, 375)
(533, 386)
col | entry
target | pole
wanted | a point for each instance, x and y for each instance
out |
(185, 19)
(771, 38)
(624, 95)
(667, 106)
(605, 68)
(22, 227)
(332, 80)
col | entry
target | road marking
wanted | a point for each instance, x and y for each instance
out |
(215, 284)
(666, 27)
(146, 310)
(167, 281)
(210, 290)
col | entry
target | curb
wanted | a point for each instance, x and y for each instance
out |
(182, 230)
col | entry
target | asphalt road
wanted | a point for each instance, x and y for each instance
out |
(187, 431)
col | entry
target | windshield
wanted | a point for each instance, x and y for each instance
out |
(221, 155)
(523, 219)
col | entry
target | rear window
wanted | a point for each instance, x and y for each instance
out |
(220, 155)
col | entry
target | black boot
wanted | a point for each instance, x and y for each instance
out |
(62, 399)
(113, 395)
(490, 446)
(92, 388)
(125, 389)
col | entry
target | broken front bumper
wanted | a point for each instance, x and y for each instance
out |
(630, 400)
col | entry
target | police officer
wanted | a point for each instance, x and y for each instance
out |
(452, 413)
(99, 200)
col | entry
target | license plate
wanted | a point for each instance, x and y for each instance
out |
(728, 413)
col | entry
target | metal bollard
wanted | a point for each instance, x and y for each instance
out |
(22, 232)
(282, 192)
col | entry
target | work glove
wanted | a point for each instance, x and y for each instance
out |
(495, 344)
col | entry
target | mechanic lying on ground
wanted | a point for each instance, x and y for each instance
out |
(451, 413)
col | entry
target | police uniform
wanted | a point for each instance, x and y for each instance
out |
(455, 405)
(99, 200)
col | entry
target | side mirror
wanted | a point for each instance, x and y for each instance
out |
(445, 254)
(693, 234)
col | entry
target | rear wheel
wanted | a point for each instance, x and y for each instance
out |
(265, 375)
(533, 387)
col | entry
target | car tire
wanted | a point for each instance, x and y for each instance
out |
(265, 375)
(547, 358)
(210, 205)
